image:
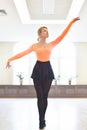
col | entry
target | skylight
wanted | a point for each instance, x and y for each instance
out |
(48, 6)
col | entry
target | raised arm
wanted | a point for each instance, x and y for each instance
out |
(19, 55)
(59, 39)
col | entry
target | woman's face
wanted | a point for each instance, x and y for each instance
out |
(44, 33)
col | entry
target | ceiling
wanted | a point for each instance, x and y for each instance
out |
(54, 10)
(50, 12)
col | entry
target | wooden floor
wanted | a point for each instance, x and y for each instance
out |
(62, 114)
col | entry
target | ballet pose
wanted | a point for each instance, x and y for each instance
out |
(42, 73)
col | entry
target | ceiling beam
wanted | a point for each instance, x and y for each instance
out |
(75, 9)
(22, 9)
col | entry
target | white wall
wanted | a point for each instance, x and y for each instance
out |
(81, 49)
(6, 50)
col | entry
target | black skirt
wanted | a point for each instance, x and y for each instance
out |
(42, 71)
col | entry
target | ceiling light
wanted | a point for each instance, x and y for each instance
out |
(22, 9)
(48, 6)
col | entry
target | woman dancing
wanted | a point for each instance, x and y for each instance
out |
(42, 74)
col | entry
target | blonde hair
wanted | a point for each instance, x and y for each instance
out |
(39, 31)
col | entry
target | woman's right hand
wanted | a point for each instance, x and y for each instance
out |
(8, 64)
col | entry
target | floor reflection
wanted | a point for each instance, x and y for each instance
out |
(62, 114)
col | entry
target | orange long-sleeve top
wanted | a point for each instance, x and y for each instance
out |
(43, 53)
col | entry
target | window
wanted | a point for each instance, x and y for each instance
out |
(63, 62)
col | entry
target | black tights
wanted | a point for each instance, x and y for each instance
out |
(42, 90)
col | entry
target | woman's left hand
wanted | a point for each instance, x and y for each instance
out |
(75, 19)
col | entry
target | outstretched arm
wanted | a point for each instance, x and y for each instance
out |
(59, 39)
(19, 55)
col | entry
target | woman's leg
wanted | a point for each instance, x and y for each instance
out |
(40, 95)
(46, 88)
(42, 90)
